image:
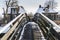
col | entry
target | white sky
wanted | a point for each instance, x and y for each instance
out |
(29, 5)
(32, 5)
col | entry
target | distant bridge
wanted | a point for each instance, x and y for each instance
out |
(20, 29)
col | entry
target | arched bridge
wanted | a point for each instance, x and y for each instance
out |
(24, 27)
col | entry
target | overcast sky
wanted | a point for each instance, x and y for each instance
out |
(29, 5)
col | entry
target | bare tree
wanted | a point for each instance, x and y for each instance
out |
(3, 10)
(6, 12)
(7, 6)
(52, 3)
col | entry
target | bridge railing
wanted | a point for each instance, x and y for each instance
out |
(55, 26)
(11, 25)
(50, 30)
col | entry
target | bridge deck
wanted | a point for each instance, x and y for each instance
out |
(37, 35)
(31, 32)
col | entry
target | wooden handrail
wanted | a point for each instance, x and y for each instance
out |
(52, 22)
(5, 37)
(9, 24)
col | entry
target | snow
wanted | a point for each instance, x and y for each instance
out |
(52, 10)
(1, 27)
(21, 10)
(5, 30)
(40, 10)
(33, 24)
(57, 29)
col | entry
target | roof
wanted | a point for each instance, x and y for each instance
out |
(51, 11)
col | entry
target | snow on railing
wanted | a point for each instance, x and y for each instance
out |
(53, 23)
(9, 24)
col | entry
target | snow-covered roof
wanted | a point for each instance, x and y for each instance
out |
(51, 10)
(40, 10)
(21, 10)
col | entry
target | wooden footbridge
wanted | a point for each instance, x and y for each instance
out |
(39, 27)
